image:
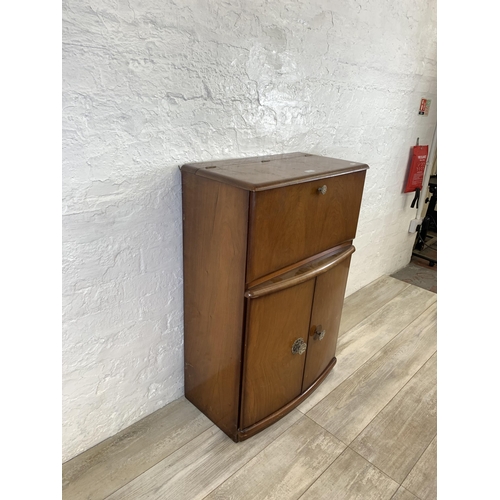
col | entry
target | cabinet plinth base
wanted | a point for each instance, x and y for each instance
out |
(274, 417)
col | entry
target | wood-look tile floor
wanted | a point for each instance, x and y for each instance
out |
(368, 432)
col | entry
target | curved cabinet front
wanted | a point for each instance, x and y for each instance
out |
(325, 321)
(291, 336)
(272, 374)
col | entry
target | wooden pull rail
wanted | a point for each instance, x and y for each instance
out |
(300, 274)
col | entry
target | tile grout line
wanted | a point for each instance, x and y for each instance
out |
(343, 451)
(414, 465)
(389, 402)
(154, 465)
(213, 425)
(401, 486)
(354, 439)
(329, 432)
(373, 355)
(318, 478)
(376, 310)
(420, 456)
(354, 451)
(378, 468)
(246, 463)
(302, 416)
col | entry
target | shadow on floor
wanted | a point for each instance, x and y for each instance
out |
(419, 273)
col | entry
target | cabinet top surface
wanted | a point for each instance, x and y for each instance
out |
(267, 172)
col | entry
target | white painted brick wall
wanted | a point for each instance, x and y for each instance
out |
(149, 85)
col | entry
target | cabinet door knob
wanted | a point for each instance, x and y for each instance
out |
(299, 347)
(322, 189)
(319, 333)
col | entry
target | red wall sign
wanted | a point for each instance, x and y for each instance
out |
(425, 104)
(417, 167)
(421, 111)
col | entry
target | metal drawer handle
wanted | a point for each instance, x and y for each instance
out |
(299, 347)
(319, 333)
(322, 189)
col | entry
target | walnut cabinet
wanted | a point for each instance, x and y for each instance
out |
(267, 243)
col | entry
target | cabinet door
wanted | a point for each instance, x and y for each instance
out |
(325, 320)
(272, 374)
(292, 223)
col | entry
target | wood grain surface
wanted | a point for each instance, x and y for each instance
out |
(350, 477)
(369, 299)
(286, 468)
(360, 343)
(262, 424)
(403, 494)
(292, 223)
(326, 312)
(215, 237)
(401, 432)
(201, 466)
(281, 280)
(349, 408)
(101, 470)
(272, 375)
(422, 479)
(267, 172)
(277, 223)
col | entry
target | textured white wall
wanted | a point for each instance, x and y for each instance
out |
(149, 85)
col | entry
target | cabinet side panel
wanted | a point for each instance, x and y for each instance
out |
(215, 220)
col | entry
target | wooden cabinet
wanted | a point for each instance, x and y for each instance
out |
(267, 248)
